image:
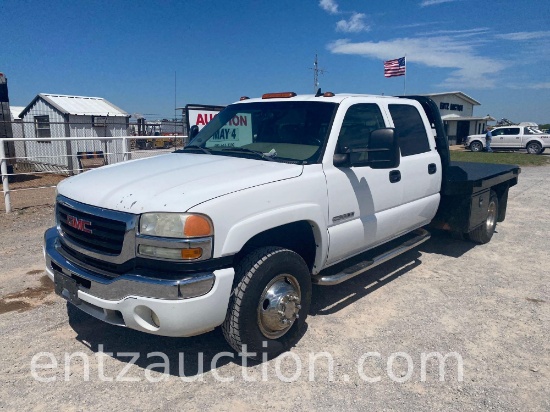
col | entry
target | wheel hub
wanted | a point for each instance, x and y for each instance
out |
(491, 216)
(279, 306)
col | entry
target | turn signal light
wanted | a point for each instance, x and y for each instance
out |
(282, 95)
(190, 254)
(197, 226)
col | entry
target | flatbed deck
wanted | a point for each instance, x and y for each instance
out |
(470, 178)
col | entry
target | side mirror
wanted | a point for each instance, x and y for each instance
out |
(193, 131)
(341, 160)
(384, 144)
(382, 152)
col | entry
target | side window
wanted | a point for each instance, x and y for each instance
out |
(410, 129)
(512, 131)
(42, 127)
(531, 130)
(359, 122)
(498, 132)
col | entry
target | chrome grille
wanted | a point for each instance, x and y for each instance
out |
(96, 232)
(105, 235)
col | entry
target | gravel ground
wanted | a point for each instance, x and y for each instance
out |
(489, 305)
(31, 190)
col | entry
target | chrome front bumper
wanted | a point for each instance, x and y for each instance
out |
(123, 286)
(185, 307)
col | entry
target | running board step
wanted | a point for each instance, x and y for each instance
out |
(421, 236)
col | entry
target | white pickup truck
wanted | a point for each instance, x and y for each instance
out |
(511, 138)
(272, 195)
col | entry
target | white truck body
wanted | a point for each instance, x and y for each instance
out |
(512, 138)
(250, 200)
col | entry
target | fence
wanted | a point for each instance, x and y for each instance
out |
(91, 126)
(29, 166)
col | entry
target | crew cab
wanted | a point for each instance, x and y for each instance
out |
(511, 138)
(273, 195)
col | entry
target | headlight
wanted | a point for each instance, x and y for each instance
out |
(175, 225)
(175, 236)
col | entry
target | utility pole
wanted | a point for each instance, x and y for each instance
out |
(316, 72)
(175, 103)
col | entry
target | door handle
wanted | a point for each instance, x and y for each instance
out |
(432, 168)
(395, 176)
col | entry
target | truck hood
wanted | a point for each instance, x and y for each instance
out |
(171, 183)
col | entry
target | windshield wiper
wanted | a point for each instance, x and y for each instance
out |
(267, 156)
(196, 147)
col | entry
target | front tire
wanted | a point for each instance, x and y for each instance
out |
(534, 148)
(484, 233)
(476, 146)
(269, 303)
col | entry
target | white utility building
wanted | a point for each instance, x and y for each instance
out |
(457, 113)
(55, 115)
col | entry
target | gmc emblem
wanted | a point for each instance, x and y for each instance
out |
(79, 224)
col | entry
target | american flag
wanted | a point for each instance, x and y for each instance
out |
(395, 67)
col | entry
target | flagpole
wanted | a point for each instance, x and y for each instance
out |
(405, 79)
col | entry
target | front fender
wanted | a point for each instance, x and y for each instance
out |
(246, 229)
(239, 216)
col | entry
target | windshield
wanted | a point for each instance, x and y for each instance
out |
(278, 131)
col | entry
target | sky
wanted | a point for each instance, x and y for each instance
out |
(149, 57)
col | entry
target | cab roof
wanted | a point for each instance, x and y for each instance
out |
(336, 98)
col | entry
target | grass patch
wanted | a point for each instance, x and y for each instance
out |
(508, 158)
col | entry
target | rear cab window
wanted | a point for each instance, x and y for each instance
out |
(531, 130)
(410, 129)
(512, 131)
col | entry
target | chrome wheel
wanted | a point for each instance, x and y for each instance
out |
(476, 147)
(278, 306)
(491, 218)
(270, 302)
(534, 148)
(484, 232)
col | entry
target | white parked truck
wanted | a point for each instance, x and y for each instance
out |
(514, 137)
(273, 195)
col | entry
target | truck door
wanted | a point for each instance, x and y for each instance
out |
(497, 139)
(420, 166)
(512, 137)
(506, 137)
(363, 202)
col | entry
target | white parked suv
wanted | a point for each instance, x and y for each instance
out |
(511, 138)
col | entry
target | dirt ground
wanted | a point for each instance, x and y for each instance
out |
(29, 190)
(486, 307)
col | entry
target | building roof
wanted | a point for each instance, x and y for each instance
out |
(78, 105)
(455, 117)
(15, 110)
(463, 96)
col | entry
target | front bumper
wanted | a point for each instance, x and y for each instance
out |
(184, 307)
